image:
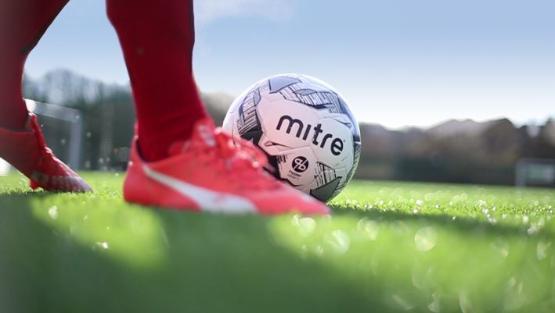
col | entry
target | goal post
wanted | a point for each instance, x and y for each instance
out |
(4, 168)
(535, 172)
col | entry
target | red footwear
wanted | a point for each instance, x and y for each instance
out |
(26, 150)
(210, 173)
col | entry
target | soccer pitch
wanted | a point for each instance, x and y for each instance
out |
(389, 247)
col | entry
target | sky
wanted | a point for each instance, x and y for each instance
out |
(398, 62)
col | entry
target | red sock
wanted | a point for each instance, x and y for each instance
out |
(22, 24)
(157, 39)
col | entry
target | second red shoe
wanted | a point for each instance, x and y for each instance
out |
(26, 150)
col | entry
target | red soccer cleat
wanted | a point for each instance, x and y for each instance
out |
(26, 150)
(211, 173)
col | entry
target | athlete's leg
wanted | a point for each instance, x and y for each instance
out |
(157, 39)
(204, 169)
(22, 23)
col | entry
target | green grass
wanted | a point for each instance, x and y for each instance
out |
(389, 247)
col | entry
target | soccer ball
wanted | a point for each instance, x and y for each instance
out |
(306, 129)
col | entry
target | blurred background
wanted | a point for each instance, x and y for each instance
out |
(447, 91)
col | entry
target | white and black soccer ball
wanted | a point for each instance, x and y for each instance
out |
(305, 127)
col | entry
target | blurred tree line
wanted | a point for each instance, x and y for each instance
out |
(454, 151)
(107, 114)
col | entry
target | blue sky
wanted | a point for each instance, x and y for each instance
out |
(398, 62)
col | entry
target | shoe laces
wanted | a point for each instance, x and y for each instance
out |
(242, 159)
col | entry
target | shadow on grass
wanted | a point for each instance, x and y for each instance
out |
(211, 264)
